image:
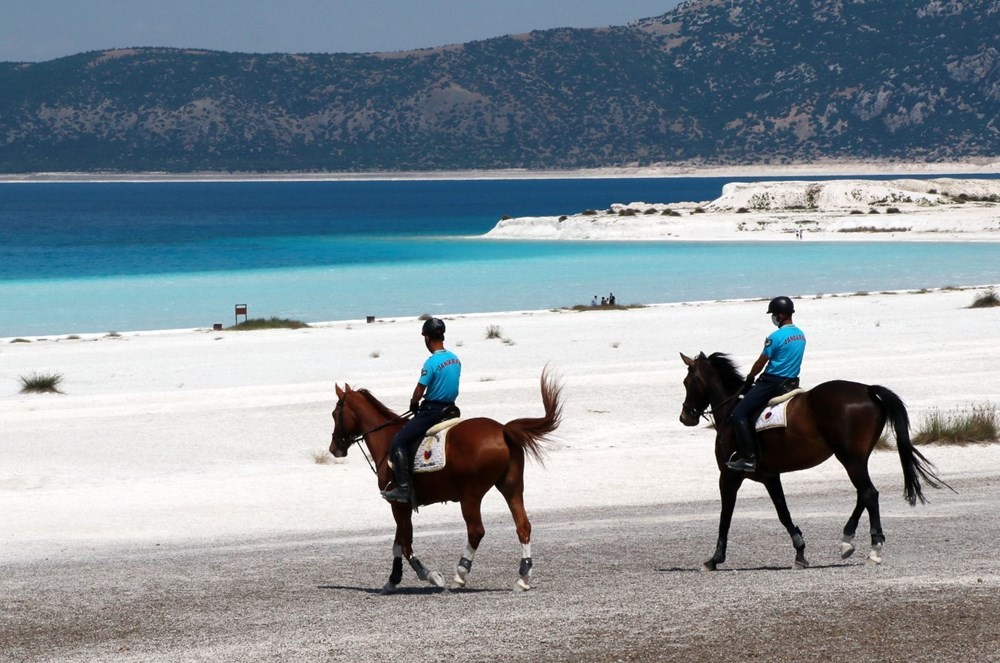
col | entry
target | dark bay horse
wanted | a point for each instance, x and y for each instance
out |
(836, 418)
(481, 454)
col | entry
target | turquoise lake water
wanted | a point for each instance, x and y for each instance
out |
(78, 258)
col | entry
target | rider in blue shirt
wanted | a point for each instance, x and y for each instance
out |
(782, 355)
(438, 387)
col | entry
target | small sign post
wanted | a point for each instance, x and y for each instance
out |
(241, 309)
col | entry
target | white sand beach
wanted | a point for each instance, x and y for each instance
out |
(930, 210)
(803, 170)
(200, 435)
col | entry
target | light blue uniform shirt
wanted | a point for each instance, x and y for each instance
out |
(440, 375)
(784, 349)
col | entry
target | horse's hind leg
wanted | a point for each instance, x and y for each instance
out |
(471, 512)
(867, 499)
(777, 494)
(513, 491)
(847, 543)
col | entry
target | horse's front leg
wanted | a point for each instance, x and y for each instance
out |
(777, 494)
(403, 547)
(729, 486)
(475, 530)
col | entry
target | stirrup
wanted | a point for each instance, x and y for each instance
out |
(743, 464)
(397, 494)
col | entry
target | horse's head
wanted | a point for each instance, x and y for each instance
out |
(346, 428)
(712, 381)
(695, 389)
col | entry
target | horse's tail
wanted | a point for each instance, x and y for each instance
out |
(529, 433)
(915, 465)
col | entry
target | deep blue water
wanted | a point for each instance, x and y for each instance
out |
(89, 257)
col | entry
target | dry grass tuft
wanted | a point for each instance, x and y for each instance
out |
(979, 425)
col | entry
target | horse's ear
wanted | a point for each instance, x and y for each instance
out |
(701, 355)
(340, 392)
(687, 360)
(347, 387)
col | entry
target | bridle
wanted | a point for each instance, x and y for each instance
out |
(699, 412)
(345, 441)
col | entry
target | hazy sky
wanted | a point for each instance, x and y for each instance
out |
(36, 30)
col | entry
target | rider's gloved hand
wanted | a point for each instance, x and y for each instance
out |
(747, 385)
(415, 406)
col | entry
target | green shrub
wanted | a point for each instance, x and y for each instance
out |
(978, 425)
(268, 323)
(41, 383)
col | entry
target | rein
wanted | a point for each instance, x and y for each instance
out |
(352, 439)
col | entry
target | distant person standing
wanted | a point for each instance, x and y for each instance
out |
(611, 299)
(593, 302)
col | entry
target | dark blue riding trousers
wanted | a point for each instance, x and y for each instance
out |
(413, 431)
(764, 389)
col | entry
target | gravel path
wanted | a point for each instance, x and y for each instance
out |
(610, 585)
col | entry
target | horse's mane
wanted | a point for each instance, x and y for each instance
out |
(377, 404)
(731, 377)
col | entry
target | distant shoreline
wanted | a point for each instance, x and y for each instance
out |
(985, 167)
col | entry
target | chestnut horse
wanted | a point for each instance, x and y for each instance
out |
(836, 418)
(481, 454)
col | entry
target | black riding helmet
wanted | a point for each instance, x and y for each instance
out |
(433, 328)
(781, 306)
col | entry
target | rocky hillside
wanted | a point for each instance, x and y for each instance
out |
(714, 81)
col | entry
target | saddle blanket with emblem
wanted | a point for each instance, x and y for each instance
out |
(773, 416)
(430, 456)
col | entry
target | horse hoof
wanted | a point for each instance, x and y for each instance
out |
(457, 582)
(801, 564)
(521, 586)
(710, 565)
(388, 588)
(435, 579)
(875, 556)
(846, 550)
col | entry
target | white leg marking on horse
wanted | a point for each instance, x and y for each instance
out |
(523, 583)
(462, 572)
(847, 546)
(875, 556)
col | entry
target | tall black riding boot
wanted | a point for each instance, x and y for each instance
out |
(747, 462)
(401, 468)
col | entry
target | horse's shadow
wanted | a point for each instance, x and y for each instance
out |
(411, 591)
(677, 569)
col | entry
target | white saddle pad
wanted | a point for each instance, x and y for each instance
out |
(773, 416)
(430, 456)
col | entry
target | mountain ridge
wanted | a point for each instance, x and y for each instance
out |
(712, 82)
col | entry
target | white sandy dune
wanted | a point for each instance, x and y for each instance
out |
(194, 435)
(942, 209)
